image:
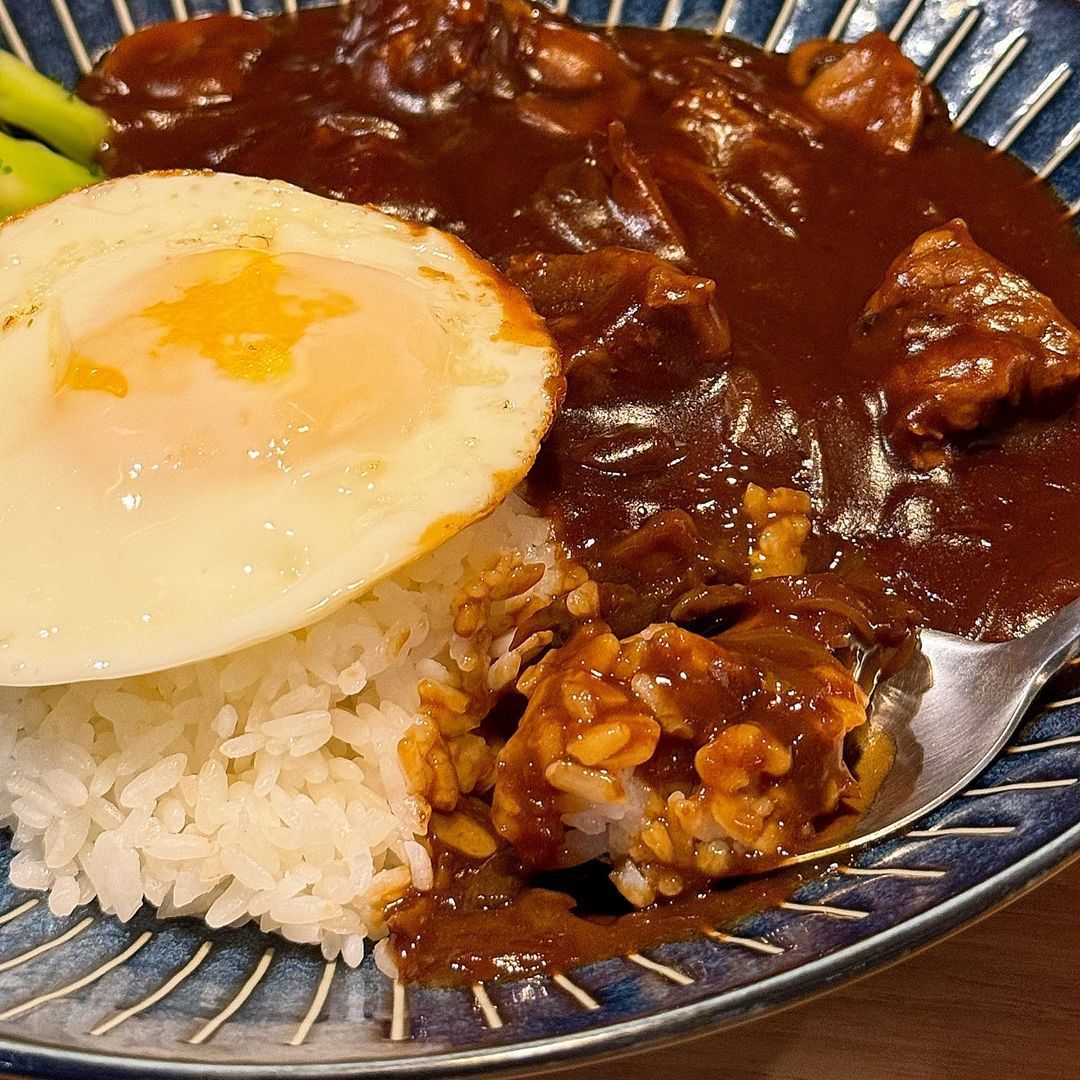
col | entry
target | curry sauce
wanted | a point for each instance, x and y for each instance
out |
(787, 276)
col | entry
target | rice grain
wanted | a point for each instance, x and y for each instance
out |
(265, 785)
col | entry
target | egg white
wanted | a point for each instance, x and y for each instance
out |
(158, 508)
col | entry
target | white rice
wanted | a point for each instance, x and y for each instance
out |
(262, 786)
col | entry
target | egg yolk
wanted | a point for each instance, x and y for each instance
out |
(231, 362)
(83, 374)
(241, 318)
(237, 314)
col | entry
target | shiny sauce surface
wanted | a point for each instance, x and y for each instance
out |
(577, 162)
(304, 100)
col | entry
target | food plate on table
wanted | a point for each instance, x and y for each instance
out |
(467, 473)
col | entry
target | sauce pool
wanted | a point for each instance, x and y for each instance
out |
(775, 234)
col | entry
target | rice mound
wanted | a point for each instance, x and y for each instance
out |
(265, 785)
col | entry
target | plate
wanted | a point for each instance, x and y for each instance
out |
(87, 996)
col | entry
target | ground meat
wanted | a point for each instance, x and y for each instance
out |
(970, 342)
(868, 88)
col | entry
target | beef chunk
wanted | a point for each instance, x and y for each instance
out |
(869, 88)
(371, 158)
(611, 306)
(174, 63)
(580, 81)
(730, 143)
(433, 57)
(607, 197)
(428, 58)
(969, 340)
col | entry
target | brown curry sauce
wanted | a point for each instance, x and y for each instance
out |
(704, 233)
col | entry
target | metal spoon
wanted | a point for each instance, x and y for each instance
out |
(950, 715)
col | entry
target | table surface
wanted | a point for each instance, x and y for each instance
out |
(998, 1001)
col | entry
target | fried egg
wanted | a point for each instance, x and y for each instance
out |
(227, 405)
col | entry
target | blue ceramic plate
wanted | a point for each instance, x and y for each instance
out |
(87, 996)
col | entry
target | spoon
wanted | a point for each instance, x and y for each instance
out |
(949, 713)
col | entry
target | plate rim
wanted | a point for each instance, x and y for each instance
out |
(663, 1026)
(659, 1028)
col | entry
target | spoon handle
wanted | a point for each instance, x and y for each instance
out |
(1054, 643)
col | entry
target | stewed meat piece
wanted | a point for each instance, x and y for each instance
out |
(868, 88)
(749, 154)
(969, 339)
(607, 197)
(174, 62)
(612, 305)
(431, 58)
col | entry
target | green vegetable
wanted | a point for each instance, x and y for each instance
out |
(31, 173)
(49, 112)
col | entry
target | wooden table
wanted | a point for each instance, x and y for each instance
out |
(998, 1001)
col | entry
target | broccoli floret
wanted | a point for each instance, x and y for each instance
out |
(31, 173)
(49, 112)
